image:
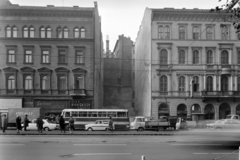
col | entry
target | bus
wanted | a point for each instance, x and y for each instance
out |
(82, 117)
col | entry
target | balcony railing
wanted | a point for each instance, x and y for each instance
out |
(221, 93)
(80, 92)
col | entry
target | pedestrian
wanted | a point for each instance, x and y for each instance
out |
(4, 123)
(71, 124)
(110, 124)
(40, 124)
(18, 123)
(25, 122)
(62, 124)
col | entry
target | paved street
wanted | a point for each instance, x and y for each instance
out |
(183, 145)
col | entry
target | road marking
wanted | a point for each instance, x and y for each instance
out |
(16, 144)
(214, 153)
(112, 144)
(200, 153)
(185, 144)
(100, 154)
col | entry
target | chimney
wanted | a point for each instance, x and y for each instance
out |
(107, 47)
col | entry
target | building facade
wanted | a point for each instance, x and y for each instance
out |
(118, 90)
(188, 63)
(50, 57)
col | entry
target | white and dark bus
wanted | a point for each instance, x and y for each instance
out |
(82, 117)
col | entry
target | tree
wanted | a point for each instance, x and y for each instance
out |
(233, 8)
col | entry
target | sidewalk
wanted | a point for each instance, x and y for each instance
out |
(78, 132)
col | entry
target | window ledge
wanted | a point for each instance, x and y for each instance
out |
(62, 63)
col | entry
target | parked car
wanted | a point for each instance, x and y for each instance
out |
(47, 126)
(225, 124)
(100, 125)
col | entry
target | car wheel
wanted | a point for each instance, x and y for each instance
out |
(46, 129)
(140, 129)
(90, 129)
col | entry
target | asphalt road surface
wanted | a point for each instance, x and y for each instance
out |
(199, 146)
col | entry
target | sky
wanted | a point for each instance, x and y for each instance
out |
(122, 17)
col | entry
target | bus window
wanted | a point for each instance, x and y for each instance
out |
(102, 114)
(83, 114)
(121, 114)
(92, 114)
(67, 114)
(75, 114)
(112, 114)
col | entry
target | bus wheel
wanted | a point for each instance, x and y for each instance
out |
(160, 129)
(140, 129)
(90, 129)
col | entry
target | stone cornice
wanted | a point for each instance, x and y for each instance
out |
(48, 39)
(46, 13)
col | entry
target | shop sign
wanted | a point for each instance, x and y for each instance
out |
(81, 104)
(10, 103)
(51, 104)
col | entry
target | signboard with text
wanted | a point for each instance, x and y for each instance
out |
(10, 103)
(51, 104)
(81, 104)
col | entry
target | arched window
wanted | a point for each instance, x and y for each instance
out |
(62, 83)
(224, 83)
(163, 84)
(238, 85)
(182, 111)
(65, 32)
(79, 82)
(49, 32)
(224, 57)
(14, 30)
(163, 56)
(196, 108)
(209, 83)
(76, 33)
(59, 33)
(31, 32)
(209, 111)
(224, 30)
(8, 32)
(83, 33)
(209, 33)
(25, 32)
(182, 32)
(163, 110)
(160, 32)
(209, 57)
(195, 57)
(181, 82)
(182, 57)
(45, 83)
(42, 32)
(11, 82)
(28, 83)
(195, 84)
(195, 33)
(167, 32)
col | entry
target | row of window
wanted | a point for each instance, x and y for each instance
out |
(46, 55)
(164, 32)
(45, 82)
(45, 32)
(209, 84)
(77, 114)
(196, 57)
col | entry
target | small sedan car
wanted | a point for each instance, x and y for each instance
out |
(47, 126)
(225, 124)
(100, 125)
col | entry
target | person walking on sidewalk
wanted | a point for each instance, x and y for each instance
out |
(71, 124)
(62, 124)
(4, 123)
(18, 123)
(25, 122)
(110, 124)
(40, 124)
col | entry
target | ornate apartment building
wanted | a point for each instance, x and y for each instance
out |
(50, 57)
(187, 62)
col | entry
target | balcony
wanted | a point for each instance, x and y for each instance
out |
(77, 92)
(219, 94)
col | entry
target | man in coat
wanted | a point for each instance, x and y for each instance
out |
(40, 124)
(62, 124)
(4, 123)
(26, 121)
(18, 123)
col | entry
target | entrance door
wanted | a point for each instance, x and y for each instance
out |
(224, 110)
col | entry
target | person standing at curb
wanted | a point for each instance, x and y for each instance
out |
(71, 124)
(4, 123)
(40, 124)
(26, 121)
(62, 124)
(110, 124)
(18, 123)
